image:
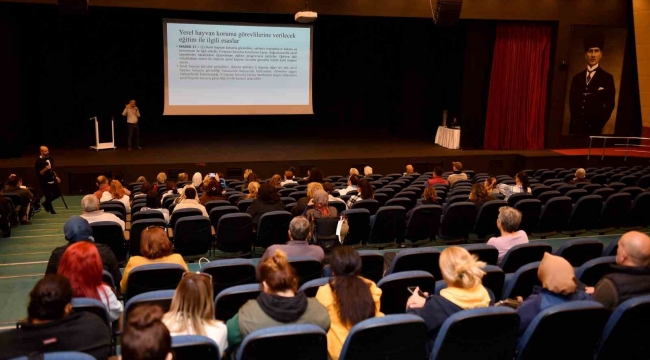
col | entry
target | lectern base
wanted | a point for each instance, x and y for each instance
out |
(104, 146)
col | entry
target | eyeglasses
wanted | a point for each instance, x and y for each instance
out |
(198, 273)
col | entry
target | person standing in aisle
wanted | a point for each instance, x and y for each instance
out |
(132, 114)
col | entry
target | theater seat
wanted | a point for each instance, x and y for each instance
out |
(424, 259)
(457, 220)
(423, 223)
(486, 219)
(153, 277)
(584, 215)
(230, 272)
(579, 251)
(307, 268)
(626, 333)
(486, 253)
(359, 227)
(395, 292)
(187, 347)
(522, 282)
(301, 341)
(92, 306)
(228, 302)
(310, 288)
(162, 298)
(520, 255)
(593, 270)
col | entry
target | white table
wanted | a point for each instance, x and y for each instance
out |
(447, 137)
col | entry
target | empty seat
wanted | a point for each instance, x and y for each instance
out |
(406, 203)
(192, 236)
(530, 210)
(228, 302)
(372, 264)
(599, 179)
(614, 213)
(604, 192)
(177, 214)
(307, 268)
(629, 180)
(640, 210)
(424, 259)
(297, 195)
(369, 204)
(538, 190)
(565, 188)
(135, 234)
(325, 233)
(589, 187)
(310, 288)
(217, 212)
(423, 223)
(195, 347)
(234, 233)
(521, 282)
(573, 327)
(152, 277)
(146, 214)
(486, 253)
(593, 270)
(551, 182)
(632, 190)
(486, 333)
(626, 332)
(456, 221)
(576, 194)
(273, 228)
(546, 175)
(554, 216)
(388, 226)
(395, 292)
(616, 186)
(291, 342)
(494, 279)
(381, 199)
(486, 219)
(547, 195)
(111, 234)
(244, 204)
(114, 207)
(585, 214)
(520, 255)
(644, 181)
(230, 272)
(579, 251)
(215, 204)
(358, 225)
(391, 337)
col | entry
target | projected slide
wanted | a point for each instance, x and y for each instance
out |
(236, 69)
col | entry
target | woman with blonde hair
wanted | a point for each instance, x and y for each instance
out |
(117, 193)
(253, 188)
(192, 310)
(354, 171)
(183, 177)
(161, 178)
(141, 179)
(302, 203)
(462, 273)
(247, 172)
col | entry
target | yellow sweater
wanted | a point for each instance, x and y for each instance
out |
(338, 331)
(136, 261)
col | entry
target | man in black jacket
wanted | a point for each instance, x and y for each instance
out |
(630, 277)
(592, 94)
(52, 326)
(78, 229)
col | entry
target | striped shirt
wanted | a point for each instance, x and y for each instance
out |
(508, 190)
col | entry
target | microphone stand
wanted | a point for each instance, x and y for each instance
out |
(60, 193)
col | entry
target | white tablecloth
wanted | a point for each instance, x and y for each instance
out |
(449, 138)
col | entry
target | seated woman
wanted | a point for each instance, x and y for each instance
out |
(253, 188)
(190, 200)
(280, 303)
(276, 181)
(154, 204)
(155, 248)
(302, 203)
(171, 190)
(82, 265)
(348, 297)
(192, 310)
(314, 175)
(429, 197)
(213, 193)
(462, 273)
(117, 194)
(479, 195)
(161, 179)
(319, 208)
(145, 336)
(267, 200)
(329, 188)
(558, 286)
(522, 185)
(366, 191)
(144, 190)
(252, 177)
(490, 185)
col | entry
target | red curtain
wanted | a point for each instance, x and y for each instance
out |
(517, 100)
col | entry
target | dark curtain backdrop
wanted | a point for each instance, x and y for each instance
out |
(518, 87)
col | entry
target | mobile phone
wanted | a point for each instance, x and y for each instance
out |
(411, 289)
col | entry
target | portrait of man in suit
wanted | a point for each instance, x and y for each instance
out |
(592, 96)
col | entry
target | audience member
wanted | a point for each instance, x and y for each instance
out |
(490, 185)
(429, 197)
(213, 193)
(92, 214)
(298, 244)
(365, 190)
(192, 310)
(318, 207)
(197, 180)
(276, 181)
(246, 173)
(204, 184)
(154, 204)
(172, 189)
(288, 178)
(437, 177)
(183, 177)
(522, 185)
(581, 176)
(119, 176)
(479, 195)
(348, 298)
(280, 303)
(14, 185)
(462, 273)
(558, 286)
(144, 190)
(302, 203)
(190, 201)
(253, 189)
(508, 222)
(267, 200)
(367, 171)
(252, 177)
(116, 193)
(155, 248)
(410, 171)
(329, 188)
(82, 265)
(354, 171)
(102, 184)
(141, 179)
(161, 179)
(315, 175)
(75, 230)
(145, 336)
(52, 326)
(353, 180)
(630, 277)
(294, 172)
(458, 173)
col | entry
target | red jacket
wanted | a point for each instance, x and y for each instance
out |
(438, 180)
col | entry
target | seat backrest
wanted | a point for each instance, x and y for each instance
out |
(391, 337)
(177, 214)
(522, 282)
(616, 210)
(307, 268)
(162, 298)
(530, 210)
(215, 204)
(339, 206)
(514, 198)
(486, 219)
(244, 204)
(66, 355)
(195, 347)
(555, 214)
(230, 272)
(228, 302)
(370, 204)
(300, 341)
(540, 189)
(234, 232)
(192, 235)
(389, 225)
(372, 264)
(592, 271)
(576, 194)
(632, 190)
(547, 195)
(110, 234)
(397, 201)
(152, 277)
(579, 251)
(297, 195)
(217, 212)
(626, 332)
(359, 226)
(395, 292)
(640, 210)
(573, 327)
(604, 192)
(273, 228)
(310, 288)
(590, 187)
(470, 325)
(520, 255)
(423, 222)
(92, 306)
(147, 214)
(486, 253)
(458, 218)
(494, 279)
(424, 259)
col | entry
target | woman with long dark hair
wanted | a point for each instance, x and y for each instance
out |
(315, 175)
(267, 200)
(522, 185)
(366, 191)
(479, 195)
(348, 297)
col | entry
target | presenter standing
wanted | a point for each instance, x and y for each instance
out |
(47, 179)
(132, 114)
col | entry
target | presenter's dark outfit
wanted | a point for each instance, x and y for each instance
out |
(591, 104)
(47, 181)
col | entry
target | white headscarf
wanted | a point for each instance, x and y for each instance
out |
(197, 179)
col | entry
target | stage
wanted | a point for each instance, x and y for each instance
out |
(333, 153)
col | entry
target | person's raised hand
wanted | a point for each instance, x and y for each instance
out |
(415, 301)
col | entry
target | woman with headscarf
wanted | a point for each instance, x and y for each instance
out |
(559, 285)
(319, 208)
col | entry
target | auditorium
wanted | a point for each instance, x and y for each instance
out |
(325, 179)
